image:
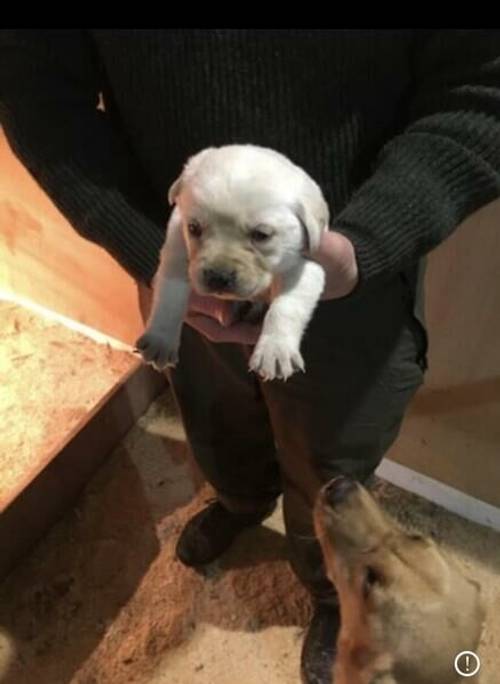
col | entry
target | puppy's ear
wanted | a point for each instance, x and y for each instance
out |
(174, 190)
(314, 217)
(190, 168)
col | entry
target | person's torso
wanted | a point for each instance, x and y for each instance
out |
(326, 98)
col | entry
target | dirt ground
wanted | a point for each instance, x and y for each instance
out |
(41, 364)
(102, 600)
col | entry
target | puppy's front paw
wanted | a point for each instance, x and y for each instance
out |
(157, 350)
(276, 358)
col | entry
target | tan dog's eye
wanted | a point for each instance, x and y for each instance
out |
(258, 235)
(372, 577)
(416, 537)
(195, 229)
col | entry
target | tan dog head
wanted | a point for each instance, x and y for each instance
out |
(248, 213)
(407, 610)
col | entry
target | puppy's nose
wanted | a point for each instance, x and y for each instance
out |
(338, 490)
(219, 280)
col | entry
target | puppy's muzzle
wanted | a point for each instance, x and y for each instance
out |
(338, 490)
(218, 280)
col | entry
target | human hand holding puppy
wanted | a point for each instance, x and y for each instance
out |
(246, 224)
(217, 318)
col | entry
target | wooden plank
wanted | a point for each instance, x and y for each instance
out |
(43, 258)
(452, 433)
(50, 378)
(57, 486)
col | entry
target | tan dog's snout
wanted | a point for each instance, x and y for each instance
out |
(337, 490)
(348, 516)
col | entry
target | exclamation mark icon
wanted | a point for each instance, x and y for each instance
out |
(467, 664)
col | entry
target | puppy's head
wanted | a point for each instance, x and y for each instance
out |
(407, 610)
(248, 213)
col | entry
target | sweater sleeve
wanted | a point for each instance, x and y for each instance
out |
(442, 167)
(49, 93)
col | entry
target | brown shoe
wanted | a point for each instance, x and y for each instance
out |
(212, 531)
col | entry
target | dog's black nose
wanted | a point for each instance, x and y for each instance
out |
(338, 489)
(219, 280)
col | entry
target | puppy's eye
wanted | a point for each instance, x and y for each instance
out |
(195, 229)
(258, 235)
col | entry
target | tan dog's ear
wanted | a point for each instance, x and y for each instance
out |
(174, 190)
(314, 217)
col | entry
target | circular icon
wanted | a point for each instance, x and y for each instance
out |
(467, 664)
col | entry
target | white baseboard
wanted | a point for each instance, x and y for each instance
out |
(445, 496)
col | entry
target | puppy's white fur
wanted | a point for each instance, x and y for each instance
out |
(234, 195)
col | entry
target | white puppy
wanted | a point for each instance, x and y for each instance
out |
(245, 219)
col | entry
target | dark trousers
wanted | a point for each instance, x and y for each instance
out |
(253, 440)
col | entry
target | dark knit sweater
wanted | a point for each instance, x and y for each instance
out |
(401, 128)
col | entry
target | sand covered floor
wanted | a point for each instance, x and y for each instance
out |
(102, 600)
